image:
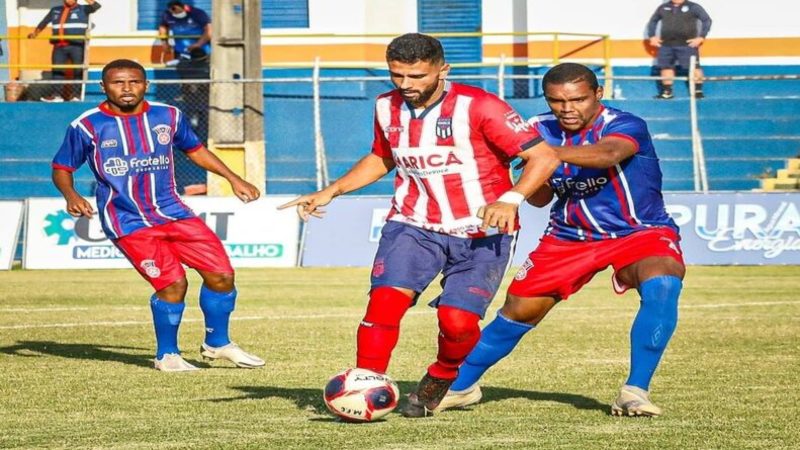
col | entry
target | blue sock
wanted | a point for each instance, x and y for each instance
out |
(217, 308)
(653, 327)
(166, 319)
(497, 341)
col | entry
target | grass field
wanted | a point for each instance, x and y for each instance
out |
(76, 369)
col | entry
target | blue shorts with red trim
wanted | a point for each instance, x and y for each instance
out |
(558, 268)
(472, 269)
(158, 252)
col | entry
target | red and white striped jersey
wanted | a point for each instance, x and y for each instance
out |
(452, 157)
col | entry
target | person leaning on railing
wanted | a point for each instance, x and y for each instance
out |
(69, 21)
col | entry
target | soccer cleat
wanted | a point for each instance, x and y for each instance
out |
(426, 398)
(174, 362)
(460, 399)
(232, 353)
(634, 401)
(664, 95)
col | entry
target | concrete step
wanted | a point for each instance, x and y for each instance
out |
(776, 184)
(786, 174)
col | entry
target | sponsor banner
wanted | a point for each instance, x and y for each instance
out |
(716, 229)
(738, 228)
(351, 229)
(255, 234)
(11, 212)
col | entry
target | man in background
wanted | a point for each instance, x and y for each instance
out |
(70, 22)
(680, 39)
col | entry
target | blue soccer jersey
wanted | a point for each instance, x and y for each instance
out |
(132, 158)
(607, 203)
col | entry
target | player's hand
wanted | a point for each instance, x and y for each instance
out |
(244, 190)
(696, 42)
(78, 206)
(310, 204)
(498, 215)
(31, 35)
(655, 41)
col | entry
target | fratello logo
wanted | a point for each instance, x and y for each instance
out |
(115, 167)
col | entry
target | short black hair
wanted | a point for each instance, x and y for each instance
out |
(412, 47)
(175, 3)
(123, 64)
(570, 73)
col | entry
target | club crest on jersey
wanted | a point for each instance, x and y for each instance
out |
(516, 123)
(523, 270)
(109, 143)
(162, 134)
(444, 127)
(150, 268)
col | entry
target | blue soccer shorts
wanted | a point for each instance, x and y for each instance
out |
(472, 269)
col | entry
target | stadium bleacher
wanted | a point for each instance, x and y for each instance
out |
(748, 129)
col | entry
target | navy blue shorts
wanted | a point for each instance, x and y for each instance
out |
(472, 269)
(670, 56)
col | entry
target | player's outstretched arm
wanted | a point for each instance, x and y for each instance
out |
(76, 205)
(209, 161)
(366, 171)
(540, 162)
(607, 152)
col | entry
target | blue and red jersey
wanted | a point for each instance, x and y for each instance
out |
(594, 204)
(132, 159)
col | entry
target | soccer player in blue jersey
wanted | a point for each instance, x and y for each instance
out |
(609, 211)
(129, 145)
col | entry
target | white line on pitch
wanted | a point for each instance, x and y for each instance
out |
(108, 323)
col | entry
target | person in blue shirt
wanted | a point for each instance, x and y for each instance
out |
(183, 20)
(608, 211)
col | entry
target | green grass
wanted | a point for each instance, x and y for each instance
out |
(76, 369)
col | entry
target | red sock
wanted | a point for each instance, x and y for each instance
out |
(458, 334)
(380, 329)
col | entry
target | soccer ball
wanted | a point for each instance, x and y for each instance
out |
(361, 395)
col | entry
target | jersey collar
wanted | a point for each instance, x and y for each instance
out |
(105, 109)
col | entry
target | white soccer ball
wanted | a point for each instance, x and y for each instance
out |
(361, 395)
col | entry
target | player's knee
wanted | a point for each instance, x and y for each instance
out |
(458, 325)
(219, 282)
(660, 296)
(175, 292)
(526, 310)
(386, 306)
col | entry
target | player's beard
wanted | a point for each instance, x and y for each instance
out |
(125, 106)
(423, 96)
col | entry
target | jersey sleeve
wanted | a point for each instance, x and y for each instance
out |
(380, 145)
(503, 127)
(185, 138)
(72, 153)
(200, 17)
(629, 127)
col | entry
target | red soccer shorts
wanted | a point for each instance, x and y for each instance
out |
(157, 252)
(559, 268)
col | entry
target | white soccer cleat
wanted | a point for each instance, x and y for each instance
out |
(634, 401)
(460, 399)
(232, 353)
(174, 362)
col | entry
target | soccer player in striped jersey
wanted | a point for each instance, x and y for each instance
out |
(129, 145)
(609, 211)
(454, 210)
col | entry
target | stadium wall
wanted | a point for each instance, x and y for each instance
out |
(752, 34)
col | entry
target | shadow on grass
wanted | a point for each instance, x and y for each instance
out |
(494, 394)
(311, 399)
(95, 352)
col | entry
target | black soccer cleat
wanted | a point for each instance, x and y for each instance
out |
(430, 391)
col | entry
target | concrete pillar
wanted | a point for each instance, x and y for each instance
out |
(236, 110)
